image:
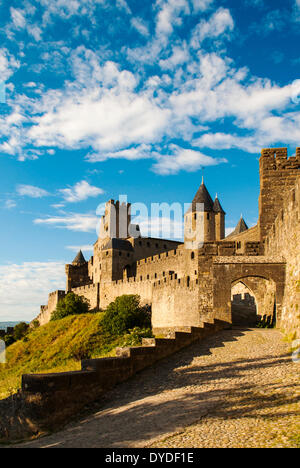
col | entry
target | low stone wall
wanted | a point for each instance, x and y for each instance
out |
(47, 401)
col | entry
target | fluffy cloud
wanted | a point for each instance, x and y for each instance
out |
(183, 159)
(221, 22)
(131, 154)
(83, 248)
(106, 118)
(31, 191)
(116, 111)
(9, 204)
(20, 22)
(140, 26)
(71, 221)
(29, 285)
(169, 15)
(8, 64)
(81, 191)
(18, 18)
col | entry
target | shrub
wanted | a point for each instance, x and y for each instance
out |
(20, 330)
(35, 324)
(70, 305)
(124, 314)
(9, 340)
(135, 336)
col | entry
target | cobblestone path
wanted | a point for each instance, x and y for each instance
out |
(239, 388)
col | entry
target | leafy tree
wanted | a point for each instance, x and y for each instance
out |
(124, 314)
(70, 305)
(35, 324)
(9, 340)
(20, 330)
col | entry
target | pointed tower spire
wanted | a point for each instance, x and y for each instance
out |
(241, 227)
(217, 206)
(79, 259)
(202, 197)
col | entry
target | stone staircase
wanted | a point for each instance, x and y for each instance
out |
(48, 401)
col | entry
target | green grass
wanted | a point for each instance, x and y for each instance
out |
(56, 347)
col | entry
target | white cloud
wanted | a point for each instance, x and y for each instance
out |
(131, 154)
(8, 65)
(18, 18)
(183, 159)
(83, 248)
(179, 55)
(20, 22)
(71, 221)
(221, 22)
(169, 15)
(202, 5)
(29, 285)
(107, 118)
(31, 191)
(122, 4)
(81, 191)
(220, 141)
(140, 26)
(9, 204)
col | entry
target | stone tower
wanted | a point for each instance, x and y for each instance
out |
(200, 219)
(278, 174)
(77, 273)
(115, 223)
(219, 220)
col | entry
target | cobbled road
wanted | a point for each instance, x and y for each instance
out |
(239, 388)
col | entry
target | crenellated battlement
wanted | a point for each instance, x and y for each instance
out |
(173, 282)
(278, 175)
(278, 158)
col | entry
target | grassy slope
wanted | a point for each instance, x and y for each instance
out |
(55, 347)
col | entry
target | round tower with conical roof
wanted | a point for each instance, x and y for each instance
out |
(200, 219)
(219, 219)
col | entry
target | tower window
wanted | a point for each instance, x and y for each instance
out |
(207, 215)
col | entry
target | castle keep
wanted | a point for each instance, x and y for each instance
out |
(191, 282)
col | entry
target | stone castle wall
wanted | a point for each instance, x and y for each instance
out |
(284, 239)
(47, 310)
(278, 175)
(91, 293)
(175, 303)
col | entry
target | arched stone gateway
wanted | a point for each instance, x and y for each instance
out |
(253, 300)
(263, 276)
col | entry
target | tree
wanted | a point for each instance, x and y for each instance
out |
(124, 314)
(20, 330)
(70, 305)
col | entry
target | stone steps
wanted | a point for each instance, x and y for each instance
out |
(48, 401)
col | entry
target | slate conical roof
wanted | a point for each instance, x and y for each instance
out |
(79, 259)
(202, 197)
(241, 227)
(217, 206)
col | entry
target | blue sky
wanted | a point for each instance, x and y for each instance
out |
(109, 97)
